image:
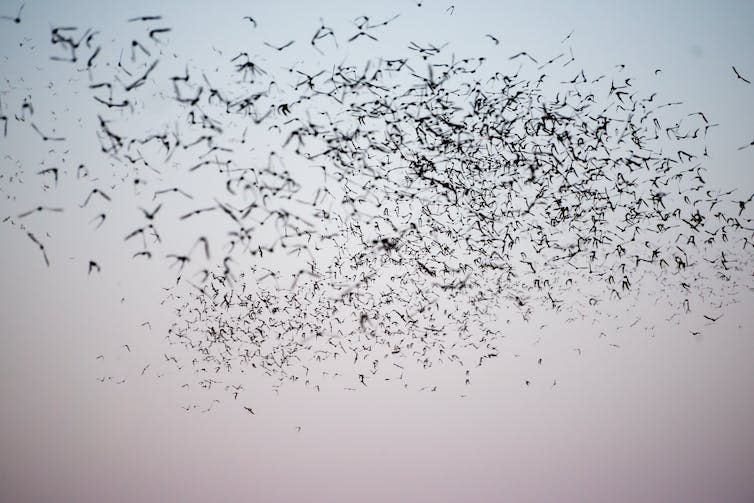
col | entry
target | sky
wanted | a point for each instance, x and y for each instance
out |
(642, 409)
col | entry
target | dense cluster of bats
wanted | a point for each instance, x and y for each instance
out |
(381, 211)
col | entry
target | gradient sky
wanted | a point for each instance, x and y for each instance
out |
(665, 417)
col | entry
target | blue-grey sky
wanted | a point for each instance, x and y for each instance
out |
(645, 411)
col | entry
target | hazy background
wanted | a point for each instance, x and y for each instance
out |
(664, 417)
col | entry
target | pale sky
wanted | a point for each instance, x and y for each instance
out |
(646, 411)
